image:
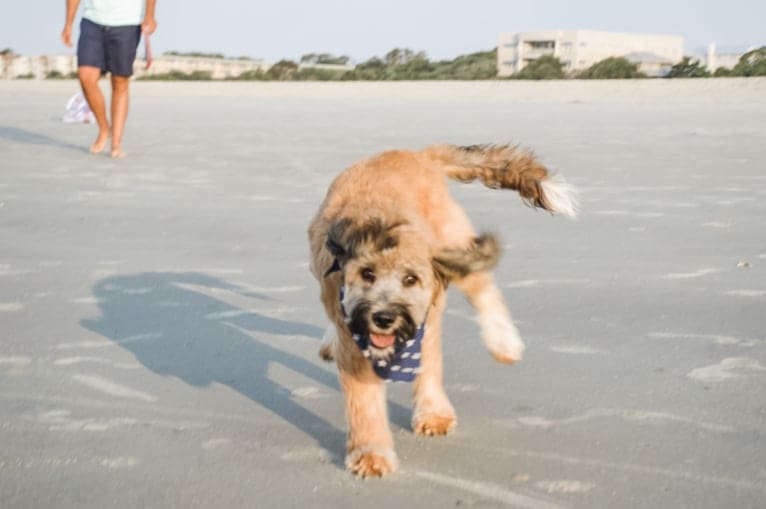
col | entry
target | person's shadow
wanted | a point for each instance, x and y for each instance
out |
(174, 329)
(16, 135)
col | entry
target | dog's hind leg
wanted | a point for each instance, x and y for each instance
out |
(433, 413)
(370, 446)
(498, 332)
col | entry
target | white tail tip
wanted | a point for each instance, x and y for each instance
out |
(560, 196)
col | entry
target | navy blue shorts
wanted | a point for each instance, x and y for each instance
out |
(111, 49)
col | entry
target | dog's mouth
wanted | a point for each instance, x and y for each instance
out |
(382, 341)
(386, 341)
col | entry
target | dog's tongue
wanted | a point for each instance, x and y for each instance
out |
(382, 340)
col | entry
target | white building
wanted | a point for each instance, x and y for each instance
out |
(14, 66)
(714, 60)
(39, 67)
(219, 68)
(651, 64)
(579, 49)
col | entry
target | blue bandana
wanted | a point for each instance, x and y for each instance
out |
(403, 365)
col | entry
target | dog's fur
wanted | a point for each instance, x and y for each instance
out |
(391, 235)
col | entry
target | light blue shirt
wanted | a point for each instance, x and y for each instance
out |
(114, 13)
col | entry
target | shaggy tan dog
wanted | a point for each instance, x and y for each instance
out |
(385, 243)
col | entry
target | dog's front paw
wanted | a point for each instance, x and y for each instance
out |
(502, 339)
(326, 352)
(327, 348)
(432, 424)
(371, 461)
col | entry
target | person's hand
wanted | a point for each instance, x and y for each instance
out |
(149, 26)
(66, 35)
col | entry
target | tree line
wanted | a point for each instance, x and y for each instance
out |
(397, 64)
(406, 64)
(752, 63)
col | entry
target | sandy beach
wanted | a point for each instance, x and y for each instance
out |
(685, 91)
(159, 325)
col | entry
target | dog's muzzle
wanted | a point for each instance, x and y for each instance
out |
(403, 365)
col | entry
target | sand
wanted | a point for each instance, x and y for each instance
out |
(159, 326)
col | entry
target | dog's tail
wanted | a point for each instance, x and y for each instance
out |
(507, 167)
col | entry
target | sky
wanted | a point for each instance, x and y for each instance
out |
(362, 29)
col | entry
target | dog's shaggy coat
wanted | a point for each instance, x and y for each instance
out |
(392, 238)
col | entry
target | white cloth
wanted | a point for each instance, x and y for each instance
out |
(78, 111)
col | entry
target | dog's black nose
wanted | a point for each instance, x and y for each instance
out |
(383, 318)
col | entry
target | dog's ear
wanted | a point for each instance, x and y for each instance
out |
(337, 240)
(344, 237)
(455, 263)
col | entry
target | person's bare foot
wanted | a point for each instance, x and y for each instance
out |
(117, 153)
(98, 146)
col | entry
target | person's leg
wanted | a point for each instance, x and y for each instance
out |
(120, 100)
(120, 54)
(91, 62)
(89, 77)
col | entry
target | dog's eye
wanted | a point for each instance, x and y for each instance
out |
(368, 275)
(410, 280)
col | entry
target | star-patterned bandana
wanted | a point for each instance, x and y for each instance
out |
(404, 363)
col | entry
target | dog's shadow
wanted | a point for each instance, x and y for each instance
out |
(174, 327)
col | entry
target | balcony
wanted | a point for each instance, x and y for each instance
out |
(537, 49)
(533, 53)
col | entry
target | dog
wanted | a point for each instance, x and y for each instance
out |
(385, 243)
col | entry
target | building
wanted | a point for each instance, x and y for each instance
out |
(40, 67)
(579, 49)
(219, 68)
(715, 60)
(326, 62)
(651, 64)
(17, 66)
(327, 67)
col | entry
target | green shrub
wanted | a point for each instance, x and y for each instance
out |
(722, 72)
(612, 68)
(256, 75)
(179, 76)
(688, 68)
(752, 63)
(282, 70)
(544, 68)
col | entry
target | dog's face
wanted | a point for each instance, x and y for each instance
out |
(391, 275)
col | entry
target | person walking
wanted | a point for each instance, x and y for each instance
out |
(110, 31)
